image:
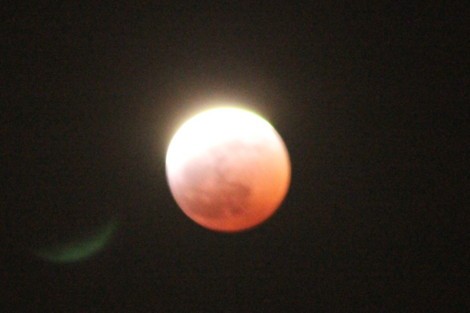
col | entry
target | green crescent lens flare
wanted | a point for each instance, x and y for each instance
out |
(80, 249)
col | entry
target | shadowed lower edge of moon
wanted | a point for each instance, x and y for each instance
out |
(80, 249)
(219, 203)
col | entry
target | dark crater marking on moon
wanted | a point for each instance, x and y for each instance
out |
(212, 193)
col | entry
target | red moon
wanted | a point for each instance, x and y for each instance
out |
(228, 169)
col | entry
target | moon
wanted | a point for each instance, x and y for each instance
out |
(79, 249)
(228, 169)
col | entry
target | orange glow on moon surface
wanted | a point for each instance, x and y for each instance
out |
(228, 169)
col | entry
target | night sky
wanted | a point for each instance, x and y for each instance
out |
(370, 101)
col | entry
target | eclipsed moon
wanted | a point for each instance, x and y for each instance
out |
(228, 169)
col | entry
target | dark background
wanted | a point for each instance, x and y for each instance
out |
(370, 100)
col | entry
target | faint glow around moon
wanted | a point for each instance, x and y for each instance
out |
(80, 249)
(228, 169)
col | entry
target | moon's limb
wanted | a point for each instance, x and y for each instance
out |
(80, 249)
